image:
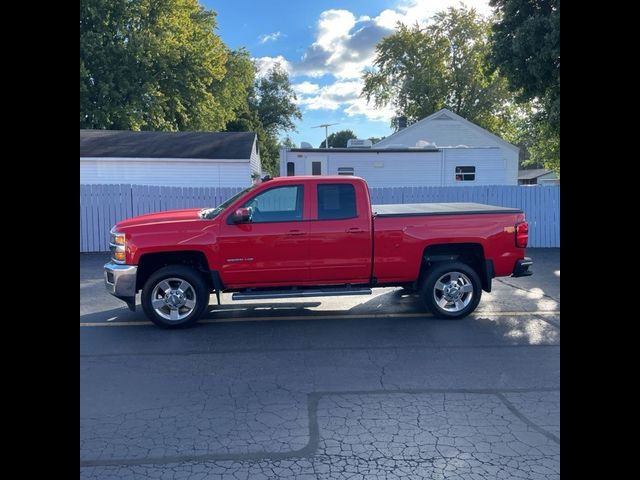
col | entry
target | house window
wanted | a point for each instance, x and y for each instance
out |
(291, 169)
(316, 168)
(345, 171)
(336, 201)
(465, 174)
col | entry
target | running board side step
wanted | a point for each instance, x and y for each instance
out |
(299, 293)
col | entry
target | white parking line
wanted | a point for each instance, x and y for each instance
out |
(324, 317)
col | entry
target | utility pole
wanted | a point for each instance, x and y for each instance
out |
(326, 132)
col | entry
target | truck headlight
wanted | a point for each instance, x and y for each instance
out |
(118, 238)
(117, 246)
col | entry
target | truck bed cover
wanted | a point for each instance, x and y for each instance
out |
(423, 209)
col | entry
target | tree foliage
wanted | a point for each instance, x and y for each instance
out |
(339, 139)
(526, 48)
(274, 100)
(287, 142)
(158, 65)
(236, 87)
(151, 65)
(444, 65)
(270, 110)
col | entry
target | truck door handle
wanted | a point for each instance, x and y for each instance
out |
(295, 233)
(354, 230)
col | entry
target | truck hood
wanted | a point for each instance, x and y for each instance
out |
(186, 214)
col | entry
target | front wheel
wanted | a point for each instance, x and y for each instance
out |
(175, 296)
(451, 290)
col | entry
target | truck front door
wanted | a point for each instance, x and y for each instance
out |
(272, 248)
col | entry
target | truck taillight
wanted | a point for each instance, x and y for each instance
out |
(522, 234)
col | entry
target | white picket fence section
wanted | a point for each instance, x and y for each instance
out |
(102, 206)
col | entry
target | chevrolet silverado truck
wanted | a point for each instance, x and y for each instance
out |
(313, 236)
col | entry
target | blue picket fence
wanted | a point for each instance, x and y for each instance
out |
(101, 206)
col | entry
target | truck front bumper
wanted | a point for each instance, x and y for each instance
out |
(522, 268)
(120, 281)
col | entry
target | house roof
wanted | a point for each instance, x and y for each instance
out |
(364, 150)
(127, 144)
(532, 173)
(448, 114)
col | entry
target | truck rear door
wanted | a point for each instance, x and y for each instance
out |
(340, 237)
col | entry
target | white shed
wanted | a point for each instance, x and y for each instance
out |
(401, 167)
(184, 159)
(439, 150)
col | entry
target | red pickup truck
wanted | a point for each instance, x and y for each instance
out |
(313, 236)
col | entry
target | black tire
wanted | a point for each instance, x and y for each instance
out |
(444, 271)
(198, 294)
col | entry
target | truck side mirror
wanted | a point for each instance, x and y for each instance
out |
(241, 215)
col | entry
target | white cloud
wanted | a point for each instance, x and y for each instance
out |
(343, 95)
(264, 64)
(332, 97)
(270, 37)
(421, 10)
(305, 88)
(389, 19)
(361, 107)
(344, 46)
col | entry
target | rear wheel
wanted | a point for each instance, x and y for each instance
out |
(175, 296)
(451, 290)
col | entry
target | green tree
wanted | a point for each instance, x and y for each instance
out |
(274, 101)
(526, 48)
(339, 139)
(539, 145)
(236, 86)
(270, 111)
(151, 65)
(287, 142)
(444, 65)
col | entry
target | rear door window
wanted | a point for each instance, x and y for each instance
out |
(336, 201)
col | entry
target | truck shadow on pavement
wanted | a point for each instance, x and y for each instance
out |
(388, 303)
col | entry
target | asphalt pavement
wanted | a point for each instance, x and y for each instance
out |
(334, 387)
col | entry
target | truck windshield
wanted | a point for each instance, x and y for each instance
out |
(210, 213)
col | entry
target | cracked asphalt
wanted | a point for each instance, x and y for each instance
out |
(338, 387)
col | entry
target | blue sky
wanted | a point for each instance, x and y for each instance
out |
(324, 45)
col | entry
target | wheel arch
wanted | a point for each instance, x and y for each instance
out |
(469, 253)
(151, 262)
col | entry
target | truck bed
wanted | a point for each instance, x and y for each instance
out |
(426, 209)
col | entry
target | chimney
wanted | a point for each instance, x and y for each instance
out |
(402, 123)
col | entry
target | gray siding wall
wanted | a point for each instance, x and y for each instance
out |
(256, 166)
(166, 172)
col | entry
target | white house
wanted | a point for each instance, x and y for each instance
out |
(189, 159)
(441, 149)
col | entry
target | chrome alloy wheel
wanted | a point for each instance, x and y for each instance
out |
(173, 299)
(453, 291)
